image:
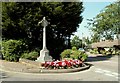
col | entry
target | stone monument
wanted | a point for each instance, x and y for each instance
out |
(44, 53)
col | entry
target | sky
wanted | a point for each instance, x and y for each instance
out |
(91, 10)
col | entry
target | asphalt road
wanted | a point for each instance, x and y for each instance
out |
(103, 69)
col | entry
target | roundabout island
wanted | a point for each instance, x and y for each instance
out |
(28, 66)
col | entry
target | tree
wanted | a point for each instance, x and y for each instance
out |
(107, 22)
(87, 41)
(20, 21)
(95, 37)
(76, 42)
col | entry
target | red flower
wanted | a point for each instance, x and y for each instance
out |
(52, 63)
(57, 64)
(60, 63)
(63, 64)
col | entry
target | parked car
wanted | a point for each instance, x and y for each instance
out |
(81, 49)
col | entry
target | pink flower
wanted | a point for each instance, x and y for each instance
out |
(57, 64)
(63, 64)
(47, 62)
(54, 63)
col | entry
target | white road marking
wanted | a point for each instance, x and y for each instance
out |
(114, 73)
(116, 77)
(99, 71)
(115, 62)
(107, 72)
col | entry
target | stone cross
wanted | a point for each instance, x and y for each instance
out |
(44, 24)
(44, 53)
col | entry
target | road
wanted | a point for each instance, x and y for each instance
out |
(103, 69)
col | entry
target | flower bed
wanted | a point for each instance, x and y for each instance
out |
(65, 64)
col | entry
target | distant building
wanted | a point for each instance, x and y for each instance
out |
(106, 43)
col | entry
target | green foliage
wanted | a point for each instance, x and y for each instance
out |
(74, 48)
(106, 23)
(94, 51)
(84, 56)
(20, 21)
(95, 37)
(31, 56)
(12, 49)
(117, 52)
(74, 54)
(66, 53)
(87, 41)
(0, 46)
(76, 42)
(77, 54)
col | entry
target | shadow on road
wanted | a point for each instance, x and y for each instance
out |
(98, 58)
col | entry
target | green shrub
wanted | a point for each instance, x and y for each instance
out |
(74, 54)
(91, 51)
(113, 53)
(103, 52)
(94, 51)
(84, 56)
(79, 55)
(74, 48)
(66, 53)
(31, 56)
(12, 49)
(117, 52)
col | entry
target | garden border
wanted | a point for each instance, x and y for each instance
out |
(42, 70)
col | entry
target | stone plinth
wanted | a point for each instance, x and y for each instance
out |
(44, 56)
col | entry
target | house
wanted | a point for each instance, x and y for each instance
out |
(103, 45)
(106, 43)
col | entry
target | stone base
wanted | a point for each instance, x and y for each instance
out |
(44, 56)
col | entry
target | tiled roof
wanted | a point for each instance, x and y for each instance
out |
(106, 43)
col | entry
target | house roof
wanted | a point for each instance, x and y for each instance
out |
(106, 43)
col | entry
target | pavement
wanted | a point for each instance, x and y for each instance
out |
(105, 68)
(16, 66)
